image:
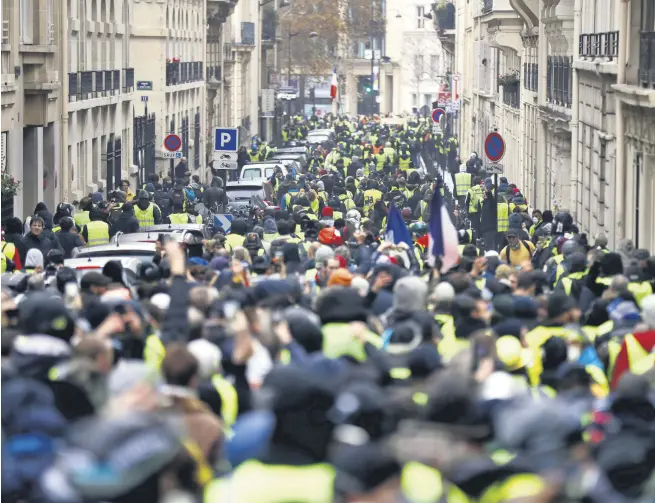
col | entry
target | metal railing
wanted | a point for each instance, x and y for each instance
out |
(647, 60)
(512, 97)
(182, 72)
(599, 45)
(559, 76)
(487, 6)
(531, 76)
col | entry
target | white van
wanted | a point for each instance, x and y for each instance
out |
(260, 171)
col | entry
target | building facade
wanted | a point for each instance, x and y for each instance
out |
(568, 84)
(90, 88)
(31, 101)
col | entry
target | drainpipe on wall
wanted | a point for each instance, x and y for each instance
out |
(541, 196)
(620, 182)
(575, 113)
(64, 174)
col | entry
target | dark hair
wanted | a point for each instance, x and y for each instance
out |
(13, 225)
(283, 227)
(179, 365)
(66, 223)
(526, 280)
(37, 219)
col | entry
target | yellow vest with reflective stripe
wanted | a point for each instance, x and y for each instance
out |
(229, 400)
(82, 218)
(371, 196)
(475, 196)
(179, 218)
(97, 233)
(145, 217)
(462, 183)
(514, 487)
(256, 482)
(503, 217)
(404, 163)
(567, 281)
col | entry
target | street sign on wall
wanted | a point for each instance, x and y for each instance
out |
(437, 114)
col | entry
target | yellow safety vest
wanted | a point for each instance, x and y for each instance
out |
(371, 196)
(8, 250)
(145, 217)
(179, 218)
(233, 241)
(536, 338)
(404, 163)
(514, 487)
(97, 233)
(423, 484)
(567, 281)
(154, 352)
(640, 291)
(229, 400)
(462, 183)
(475, 196)
(274, 484)
(3, 263)
(503, 217)
(82, 218)
(337, 215)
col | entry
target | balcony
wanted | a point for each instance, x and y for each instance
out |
(599, 45)
(512, 97)
(647, 60)
(503, 25)
(487, 6)
(247, 39)
(96, 83)
(183, 72)
(219, 10)
(531, 76)
(559, 79)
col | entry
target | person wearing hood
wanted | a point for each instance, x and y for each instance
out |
(97, 231)
(237, 235)
(126, 222)
(147, 213)
(68, 237)
(36, 239)
(270, 229)
(573, 282)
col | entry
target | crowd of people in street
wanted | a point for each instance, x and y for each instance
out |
(389, 326)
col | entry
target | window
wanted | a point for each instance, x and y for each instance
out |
(418, 65)
(434, 64)
(414, 100)
(420, 17)
(427, 100)
(647, 15)
(26, 21)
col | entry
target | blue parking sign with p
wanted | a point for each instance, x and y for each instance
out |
(226, 139)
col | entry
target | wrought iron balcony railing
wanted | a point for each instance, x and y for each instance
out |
(647, 60)
(599, 45)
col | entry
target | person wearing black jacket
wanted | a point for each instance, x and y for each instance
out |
(126, 222)
(37, 238)
(68, 240)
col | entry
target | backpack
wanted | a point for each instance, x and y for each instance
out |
(190, 195)
(163, 200)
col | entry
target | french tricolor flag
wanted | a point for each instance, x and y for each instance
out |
(334, 85)
(443, 239)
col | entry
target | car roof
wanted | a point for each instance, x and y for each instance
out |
(248, 183)
(151, 235)
(92, 263)
(126, 246)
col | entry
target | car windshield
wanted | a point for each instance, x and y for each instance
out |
(318, 138)
(242, 193)
(256, 173)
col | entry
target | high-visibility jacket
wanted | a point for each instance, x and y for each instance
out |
(275, 484)
(404, 163)
(81, 218)
(179, 218)
(254, 157)
(371, 196)
(475, 196)
(502, 217)
(9, 252)
(380, 159)
(462, 183)
(97, 233)
(567, 281)
(3, 263)
(229, 400)
(423, 484)
(145, 217)
(640, 290)
(232, 241)
(390, 154)
(336, 215)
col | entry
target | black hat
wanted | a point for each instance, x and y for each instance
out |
(559, 303)
(94, 278)
(40, 313)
